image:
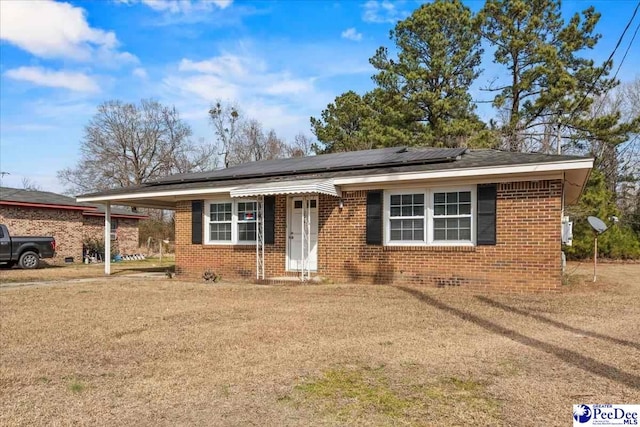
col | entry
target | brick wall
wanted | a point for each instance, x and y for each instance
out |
(232, 261)
(127, 232)
(68, 227)
(63, 224)
(526, 257)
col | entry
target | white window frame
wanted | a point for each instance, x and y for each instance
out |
(234, 223)
(429, 216)
(388, 217)
(207, 219)
(432, 217)
(114, 228)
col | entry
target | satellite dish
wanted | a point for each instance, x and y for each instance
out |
(597, 224)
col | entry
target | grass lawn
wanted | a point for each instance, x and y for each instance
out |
(126, 351)
(56, 272)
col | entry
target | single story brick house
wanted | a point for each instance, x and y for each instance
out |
(41, 213)
(476, 219)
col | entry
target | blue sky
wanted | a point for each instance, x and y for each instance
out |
(281, 62)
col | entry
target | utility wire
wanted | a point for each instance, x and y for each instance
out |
(595, 81)
(635, 33)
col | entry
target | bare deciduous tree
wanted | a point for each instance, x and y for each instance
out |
(619, 161)
(302, 146)
(242, 139)
(127, 144)
(30, 185)
(226, 123)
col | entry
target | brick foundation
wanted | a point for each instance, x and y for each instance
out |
(526, 257)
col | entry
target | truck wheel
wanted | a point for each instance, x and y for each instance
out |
(29, 260)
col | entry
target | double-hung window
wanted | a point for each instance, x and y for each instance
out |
(114, 228)
(231, 221)
(430, 216)
(452, 216)
(247, 212)
(220, 222)
(407, 218)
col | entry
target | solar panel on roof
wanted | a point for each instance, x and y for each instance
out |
(322, 163)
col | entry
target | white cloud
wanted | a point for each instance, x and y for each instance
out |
(276, 97)
(140, 73)
(351, 34)
(222, 4)
(50, 29)
(182, 6)
(383, 11)
(289, 85)
(74, 81)
(206, 87)
(224, 64)
(231, 74)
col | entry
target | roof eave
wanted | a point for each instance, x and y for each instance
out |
(44, 205)
(155, 197)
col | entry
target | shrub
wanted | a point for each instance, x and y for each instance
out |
(93, 246)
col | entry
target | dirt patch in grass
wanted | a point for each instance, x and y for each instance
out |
(167, 352)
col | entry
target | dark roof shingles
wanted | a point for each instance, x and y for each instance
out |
(47, 198)
(266, 171)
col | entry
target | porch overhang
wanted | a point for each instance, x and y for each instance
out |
(310, 186)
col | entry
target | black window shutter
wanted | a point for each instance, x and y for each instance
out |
(196, 221)
(486, 225)
(269, 220)
(374, 217)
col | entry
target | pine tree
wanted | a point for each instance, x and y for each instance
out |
(422, 97)
(438, 59)
(549, 81)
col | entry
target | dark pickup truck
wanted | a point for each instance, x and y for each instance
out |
(24, 250)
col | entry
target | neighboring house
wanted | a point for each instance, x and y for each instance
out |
(477, 219)
(41, 213)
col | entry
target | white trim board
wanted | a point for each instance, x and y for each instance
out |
(535, 171)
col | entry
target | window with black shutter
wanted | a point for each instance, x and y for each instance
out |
(196, 221)
(269, 220)
(374, 217)
(486, 228)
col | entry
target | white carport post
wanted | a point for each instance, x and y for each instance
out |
(107, 238)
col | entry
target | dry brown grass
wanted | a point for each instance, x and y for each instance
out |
(53, 272)
(138, 352)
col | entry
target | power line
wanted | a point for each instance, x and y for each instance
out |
(595, 81)
(635, 33)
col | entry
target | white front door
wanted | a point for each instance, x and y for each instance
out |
(295, 234)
